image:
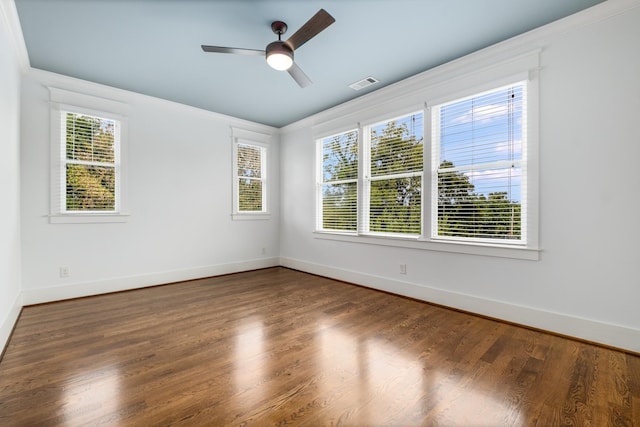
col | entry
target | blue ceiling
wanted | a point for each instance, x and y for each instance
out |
(153, 46)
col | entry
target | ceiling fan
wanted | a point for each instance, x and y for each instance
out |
(279, 54)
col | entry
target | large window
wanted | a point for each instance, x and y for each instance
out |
(478, 166)
(459, 177)
(88, 136)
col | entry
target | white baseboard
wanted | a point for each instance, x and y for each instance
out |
(76, 290)
(617, 336)
(6, 327)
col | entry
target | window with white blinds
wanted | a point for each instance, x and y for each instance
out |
(250, 180)
(393, 175)
(251, 176)
(90, 163)
(479, 167)
(88, 158)
(338, 182)
(386, 166)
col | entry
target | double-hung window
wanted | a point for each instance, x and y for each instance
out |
(90, 163)
(251, 177)
(478, 163)
(393, 176)
(250, 153)
(338, 182)
(87, 171)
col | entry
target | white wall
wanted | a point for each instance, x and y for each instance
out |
(10, 302)
(587, 280)
(179, 186)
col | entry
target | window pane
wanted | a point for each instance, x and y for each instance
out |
(484, 129)
(483, 203)
(90, 138)
(90, 188)
(395, 205)
(340, 157)
(397, 158)
(480, 187)
(396, 146)
(339, 206)
(249, 161)
(250, 195)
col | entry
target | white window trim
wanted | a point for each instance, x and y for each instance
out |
(495, 76)
(432, 215)
(244, 136)
(469, 248)
(64, 100)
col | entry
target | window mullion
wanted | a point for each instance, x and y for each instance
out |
(364, 180)
(427, 177)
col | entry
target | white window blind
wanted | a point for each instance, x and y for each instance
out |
(251, 175)
(90, 163)
(394, 175)
(479, 167)
(338, 182)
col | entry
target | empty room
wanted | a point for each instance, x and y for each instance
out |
(358, 213)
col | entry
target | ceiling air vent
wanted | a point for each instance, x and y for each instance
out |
(368, 81)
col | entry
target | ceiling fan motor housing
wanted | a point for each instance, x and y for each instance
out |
(279, 55)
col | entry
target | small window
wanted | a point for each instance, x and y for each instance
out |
(90, 163)
(250, 185)
(87, 159)
(478, 147)
(251, 177)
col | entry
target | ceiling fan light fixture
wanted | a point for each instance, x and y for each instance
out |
(279, 56)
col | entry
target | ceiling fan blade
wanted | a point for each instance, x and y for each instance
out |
(310, 29)
(299, 76)
(236, 50)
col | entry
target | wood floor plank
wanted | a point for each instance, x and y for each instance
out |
(281, 347)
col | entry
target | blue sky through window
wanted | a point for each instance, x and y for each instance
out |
(482, 136)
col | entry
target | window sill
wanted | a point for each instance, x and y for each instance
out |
(492, 250)
(88, 218)
(250, 216)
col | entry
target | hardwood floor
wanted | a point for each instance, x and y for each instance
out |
(281, 347)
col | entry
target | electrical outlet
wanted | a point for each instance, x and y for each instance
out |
(403, 268)
(64, 271)
(264, 251)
